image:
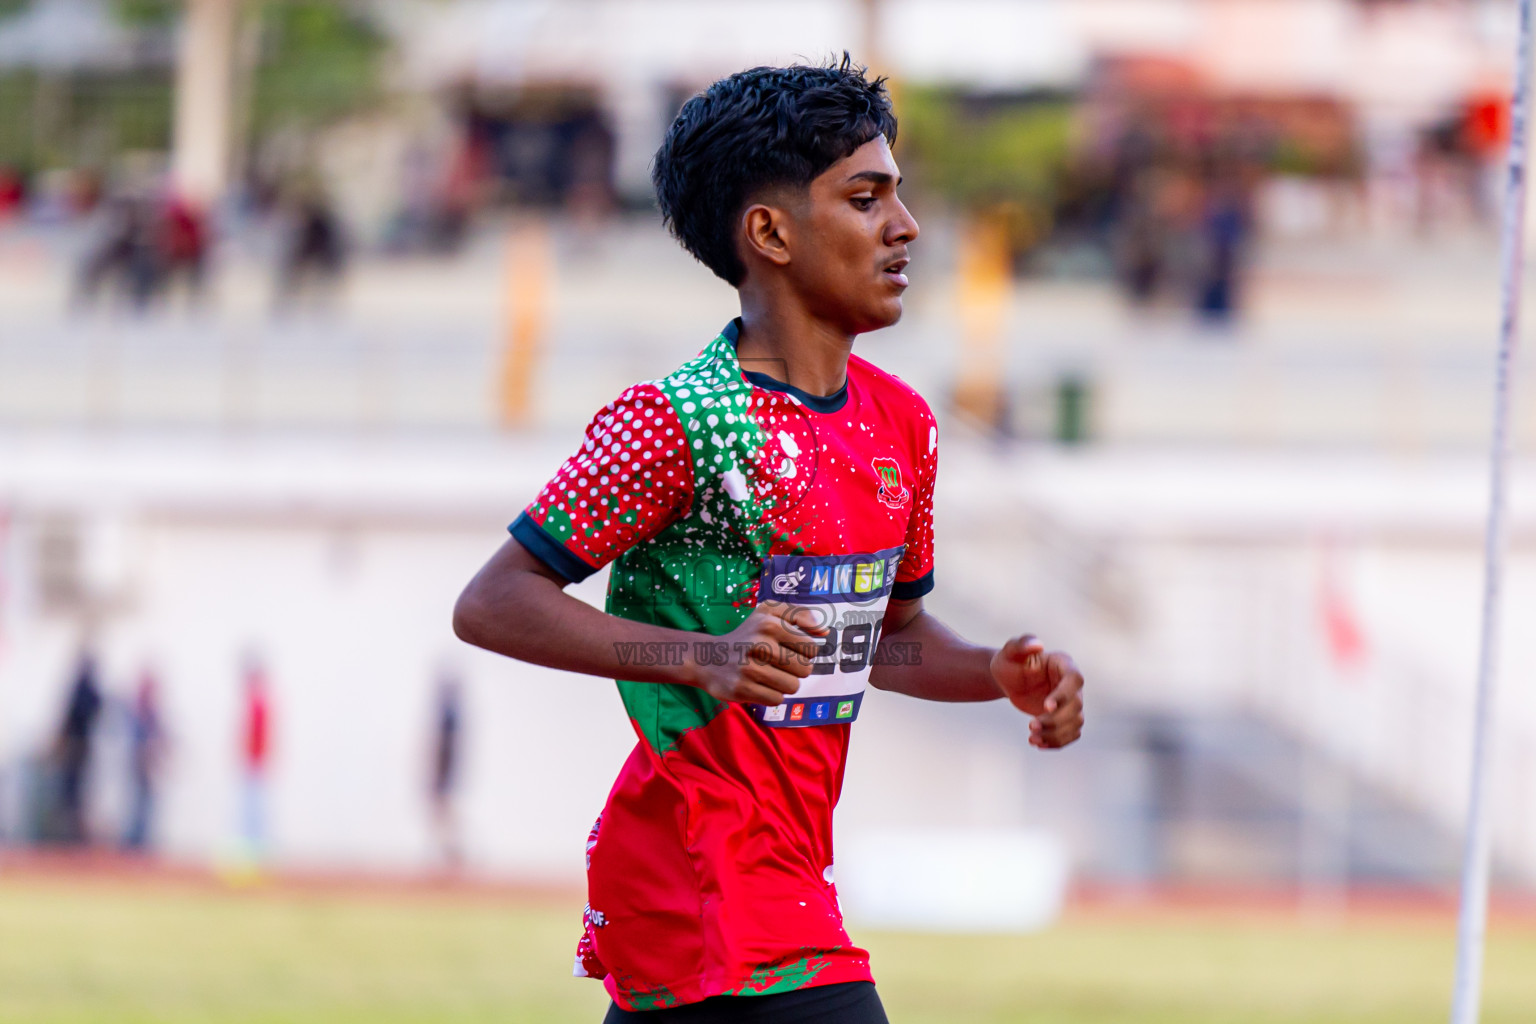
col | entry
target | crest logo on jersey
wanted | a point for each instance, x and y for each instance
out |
(891, 493)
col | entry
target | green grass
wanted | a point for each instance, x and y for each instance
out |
(120, 952)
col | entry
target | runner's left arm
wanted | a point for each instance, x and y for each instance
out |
(922, 657)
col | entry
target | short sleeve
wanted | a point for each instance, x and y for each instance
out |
(630, 479)
(914, 576)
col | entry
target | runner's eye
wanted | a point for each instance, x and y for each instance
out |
(863, 202)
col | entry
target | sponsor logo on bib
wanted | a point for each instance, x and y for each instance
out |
(788, 582)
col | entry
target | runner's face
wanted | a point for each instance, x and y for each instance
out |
(849, 254)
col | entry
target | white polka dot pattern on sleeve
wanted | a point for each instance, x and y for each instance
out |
(631, 477)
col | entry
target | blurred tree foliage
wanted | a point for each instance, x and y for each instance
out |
(315, 61)
(1002, 157)
(142, 14)
(82, 118)
(318, 61)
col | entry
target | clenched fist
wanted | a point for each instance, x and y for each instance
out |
(769, 654)
(1045, 685)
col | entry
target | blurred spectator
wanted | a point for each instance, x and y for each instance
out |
(255, 754)
(1139, 241)
(73, 749)
(144, 251)
(1459, 163)
(439, 197)
(410, 226)
(124, 259)
(459, 195)
(589, 186)
(86, 191)
(181, 248)
(1485, 136)
(1161, 238)
(146, 753)
(447, 735)
(1180, 234)
(313, 255)
(1225, 237)
(13, 192)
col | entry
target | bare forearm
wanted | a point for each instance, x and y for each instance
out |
(928, 660)
(517, 606)
(529, 617)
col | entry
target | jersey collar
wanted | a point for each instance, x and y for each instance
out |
(817, 403)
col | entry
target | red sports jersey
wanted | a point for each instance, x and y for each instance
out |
(710, 867)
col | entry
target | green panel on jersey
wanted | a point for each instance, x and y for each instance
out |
(773, 978)
(557, 523)
(697, 573)
(655, 999)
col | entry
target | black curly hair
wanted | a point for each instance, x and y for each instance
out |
(755, 130)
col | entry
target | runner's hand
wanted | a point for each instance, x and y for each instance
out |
(767, 655)
(1047, 686)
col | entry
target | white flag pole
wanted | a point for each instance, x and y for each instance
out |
(1472, 923)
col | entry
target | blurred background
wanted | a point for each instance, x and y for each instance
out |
(302, 300)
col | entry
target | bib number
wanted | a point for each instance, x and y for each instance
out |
(848, 595)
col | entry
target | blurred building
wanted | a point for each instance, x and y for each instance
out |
(582, 90)
(1277, 648)
(1400, 63)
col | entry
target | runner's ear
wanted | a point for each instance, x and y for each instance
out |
(765, 234)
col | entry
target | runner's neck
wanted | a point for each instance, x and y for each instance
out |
(808, 356)
(768, 382)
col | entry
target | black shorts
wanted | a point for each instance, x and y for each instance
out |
(851, 1002)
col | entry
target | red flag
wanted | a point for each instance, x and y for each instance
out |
(1341, 623)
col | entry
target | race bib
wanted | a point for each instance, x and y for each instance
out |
(848, 594)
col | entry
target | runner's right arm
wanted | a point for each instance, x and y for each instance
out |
(517, 606)
(631, 477)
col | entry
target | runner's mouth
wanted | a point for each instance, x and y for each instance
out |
(894, 270)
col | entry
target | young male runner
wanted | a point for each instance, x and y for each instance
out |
(767, 510)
